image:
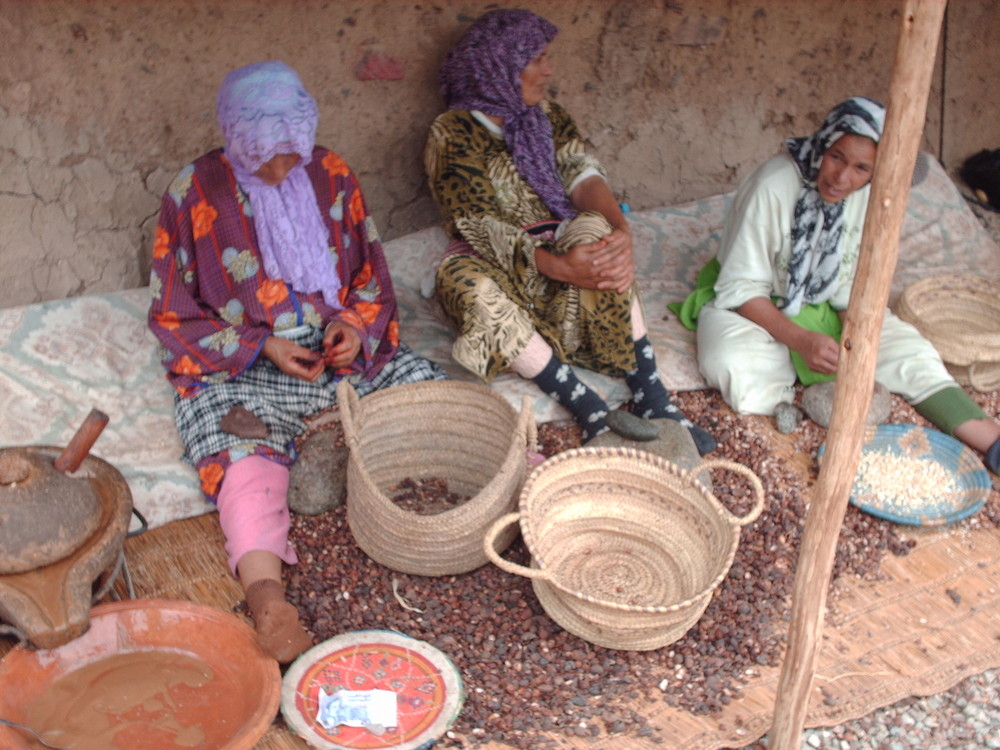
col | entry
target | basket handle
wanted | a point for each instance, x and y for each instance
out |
(983, 378)
(488, 546)
(347, 402)
(755, 485)
(526, 424)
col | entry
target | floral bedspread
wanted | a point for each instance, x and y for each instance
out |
(59, 359)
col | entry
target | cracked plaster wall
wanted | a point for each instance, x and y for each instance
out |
(102, 102)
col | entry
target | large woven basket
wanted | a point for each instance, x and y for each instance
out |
(466, 434)
(960, 315)
(627, 548)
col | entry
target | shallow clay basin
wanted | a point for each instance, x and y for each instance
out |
(159, 675)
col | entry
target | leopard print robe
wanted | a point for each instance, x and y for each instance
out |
(494, 295)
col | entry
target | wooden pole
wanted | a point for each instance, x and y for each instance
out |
(897, 152)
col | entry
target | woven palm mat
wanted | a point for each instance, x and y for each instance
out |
(927, 620)
(933, 621)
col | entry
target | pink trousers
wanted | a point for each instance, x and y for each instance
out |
(253, 509)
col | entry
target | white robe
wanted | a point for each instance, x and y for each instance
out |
(753, 370)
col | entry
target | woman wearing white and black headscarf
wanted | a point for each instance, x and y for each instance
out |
(786, 263)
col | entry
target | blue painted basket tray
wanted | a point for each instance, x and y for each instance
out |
(970, 485)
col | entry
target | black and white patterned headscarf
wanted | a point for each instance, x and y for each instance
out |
(815, 261)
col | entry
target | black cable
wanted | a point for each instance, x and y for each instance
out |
(142, 524)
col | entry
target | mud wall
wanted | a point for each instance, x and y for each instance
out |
(102, 102)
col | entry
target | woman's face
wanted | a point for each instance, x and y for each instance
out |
(276, 169)
(533, 78)
(847, 165)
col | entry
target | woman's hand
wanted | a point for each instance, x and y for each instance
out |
(819, 351)
(605, 264)
(293, 359)
(341, 344)
(615, 262)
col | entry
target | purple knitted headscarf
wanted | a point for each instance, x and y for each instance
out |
(483, 72)
(264, 110)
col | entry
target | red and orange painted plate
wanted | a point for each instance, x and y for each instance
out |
(428, 688)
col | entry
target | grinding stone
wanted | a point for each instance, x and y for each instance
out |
(318, 480)
(674, 444)
(243, 423)
(817, 402)
(631, 427)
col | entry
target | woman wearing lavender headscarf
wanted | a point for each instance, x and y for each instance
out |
(269, 286)
(539, 274)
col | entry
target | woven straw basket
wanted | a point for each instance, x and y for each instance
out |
(627, 548)
(466, 434)
(960, 315)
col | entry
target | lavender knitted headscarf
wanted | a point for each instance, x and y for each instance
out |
(264, 110)
(483, 72)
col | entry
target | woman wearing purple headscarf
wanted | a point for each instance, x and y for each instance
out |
(539, 274)
(269, 286)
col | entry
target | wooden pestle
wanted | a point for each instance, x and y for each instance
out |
(81, 443)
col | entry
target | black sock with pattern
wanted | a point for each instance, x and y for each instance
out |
(588, 409)
(993, 457)
(650, 399)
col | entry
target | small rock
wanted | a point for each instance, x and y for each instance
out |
(787, 417)
(318, 480)
(817, 401)
(631, 427)
(243, 423)
(675, 444)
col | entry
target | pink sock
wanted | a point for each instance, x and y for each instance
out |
(537, 353)
(638, 321)
(533, 358)
(253, 509)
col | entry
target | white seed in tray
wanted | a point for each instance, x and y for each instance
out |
(902, 482)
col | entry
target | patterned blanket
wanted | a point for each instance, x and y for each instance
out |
(59, 359)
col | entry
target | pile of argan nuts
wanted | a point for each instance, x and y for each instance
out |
(526, 680)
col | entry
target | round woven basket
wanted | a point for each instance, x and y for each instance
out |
(960, 315)
(627, 548)
(464, 433)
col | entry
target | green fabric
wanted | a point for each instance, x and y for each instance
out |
(949, 408)
(821, 318)
(704, 290)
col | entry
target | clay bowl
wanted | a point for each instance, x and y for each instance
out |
(176, 674)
